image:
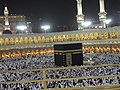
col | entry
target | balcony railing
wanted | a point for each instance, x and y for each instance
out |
(44, 80)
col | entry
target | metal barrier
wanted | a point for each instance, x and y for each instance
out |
(45, 80)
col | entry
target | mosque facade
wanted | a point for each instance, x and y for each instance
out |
(99, 40)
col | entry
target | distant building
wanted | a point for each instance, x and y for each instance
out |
(12, 21)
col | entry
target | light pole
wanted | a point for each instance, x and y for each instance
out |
(45, 27)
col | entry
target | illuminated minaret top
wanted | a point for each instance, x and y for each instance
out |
(7, 24)
(102, 14)
(80, 16)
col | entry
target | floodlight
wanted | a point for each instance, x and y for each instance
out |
(45, 27)
(22, 27)
(107, 21)
(86, 24)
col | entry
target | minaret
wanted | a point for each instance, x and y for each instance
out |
(102, 14)
(80, 16)
(7, 25)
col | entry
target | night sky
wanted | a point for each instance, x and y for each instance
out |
(58, 13)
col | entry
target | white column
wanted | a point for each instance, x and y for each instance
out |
(7, 25)
(102, 14)
(79, 7)
(102, 6)
(80, 16)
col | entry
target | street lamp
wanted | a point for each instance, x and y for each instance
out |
(45, 27)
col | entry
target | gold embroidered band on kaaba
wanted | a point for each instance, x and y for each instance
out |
(65, 51)
(77, 51)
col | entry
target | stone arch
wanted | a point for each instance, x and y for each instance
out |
(105, 35)
(23, 53)
(55, 38)
(96, 35)
(39, 39)
(12, 41)
(43, 39)
(91, 36)
(26, 40)
(81, 36)
(86, 36)
(35, 39)
(1, 41)
(30, 40)
(47, 39)
(59, 38)
(117, 34)
(7, 32)
(21, 40)
(51, 39)
(4, 55)
(6, 41)
(72, 37)
(16, 40)
(77, 37)
(63, 37)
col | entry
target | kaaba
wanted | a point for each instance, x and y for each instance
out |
(68, 54)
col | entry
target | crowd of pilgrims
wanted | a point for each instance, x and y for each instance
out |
(47, 61)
